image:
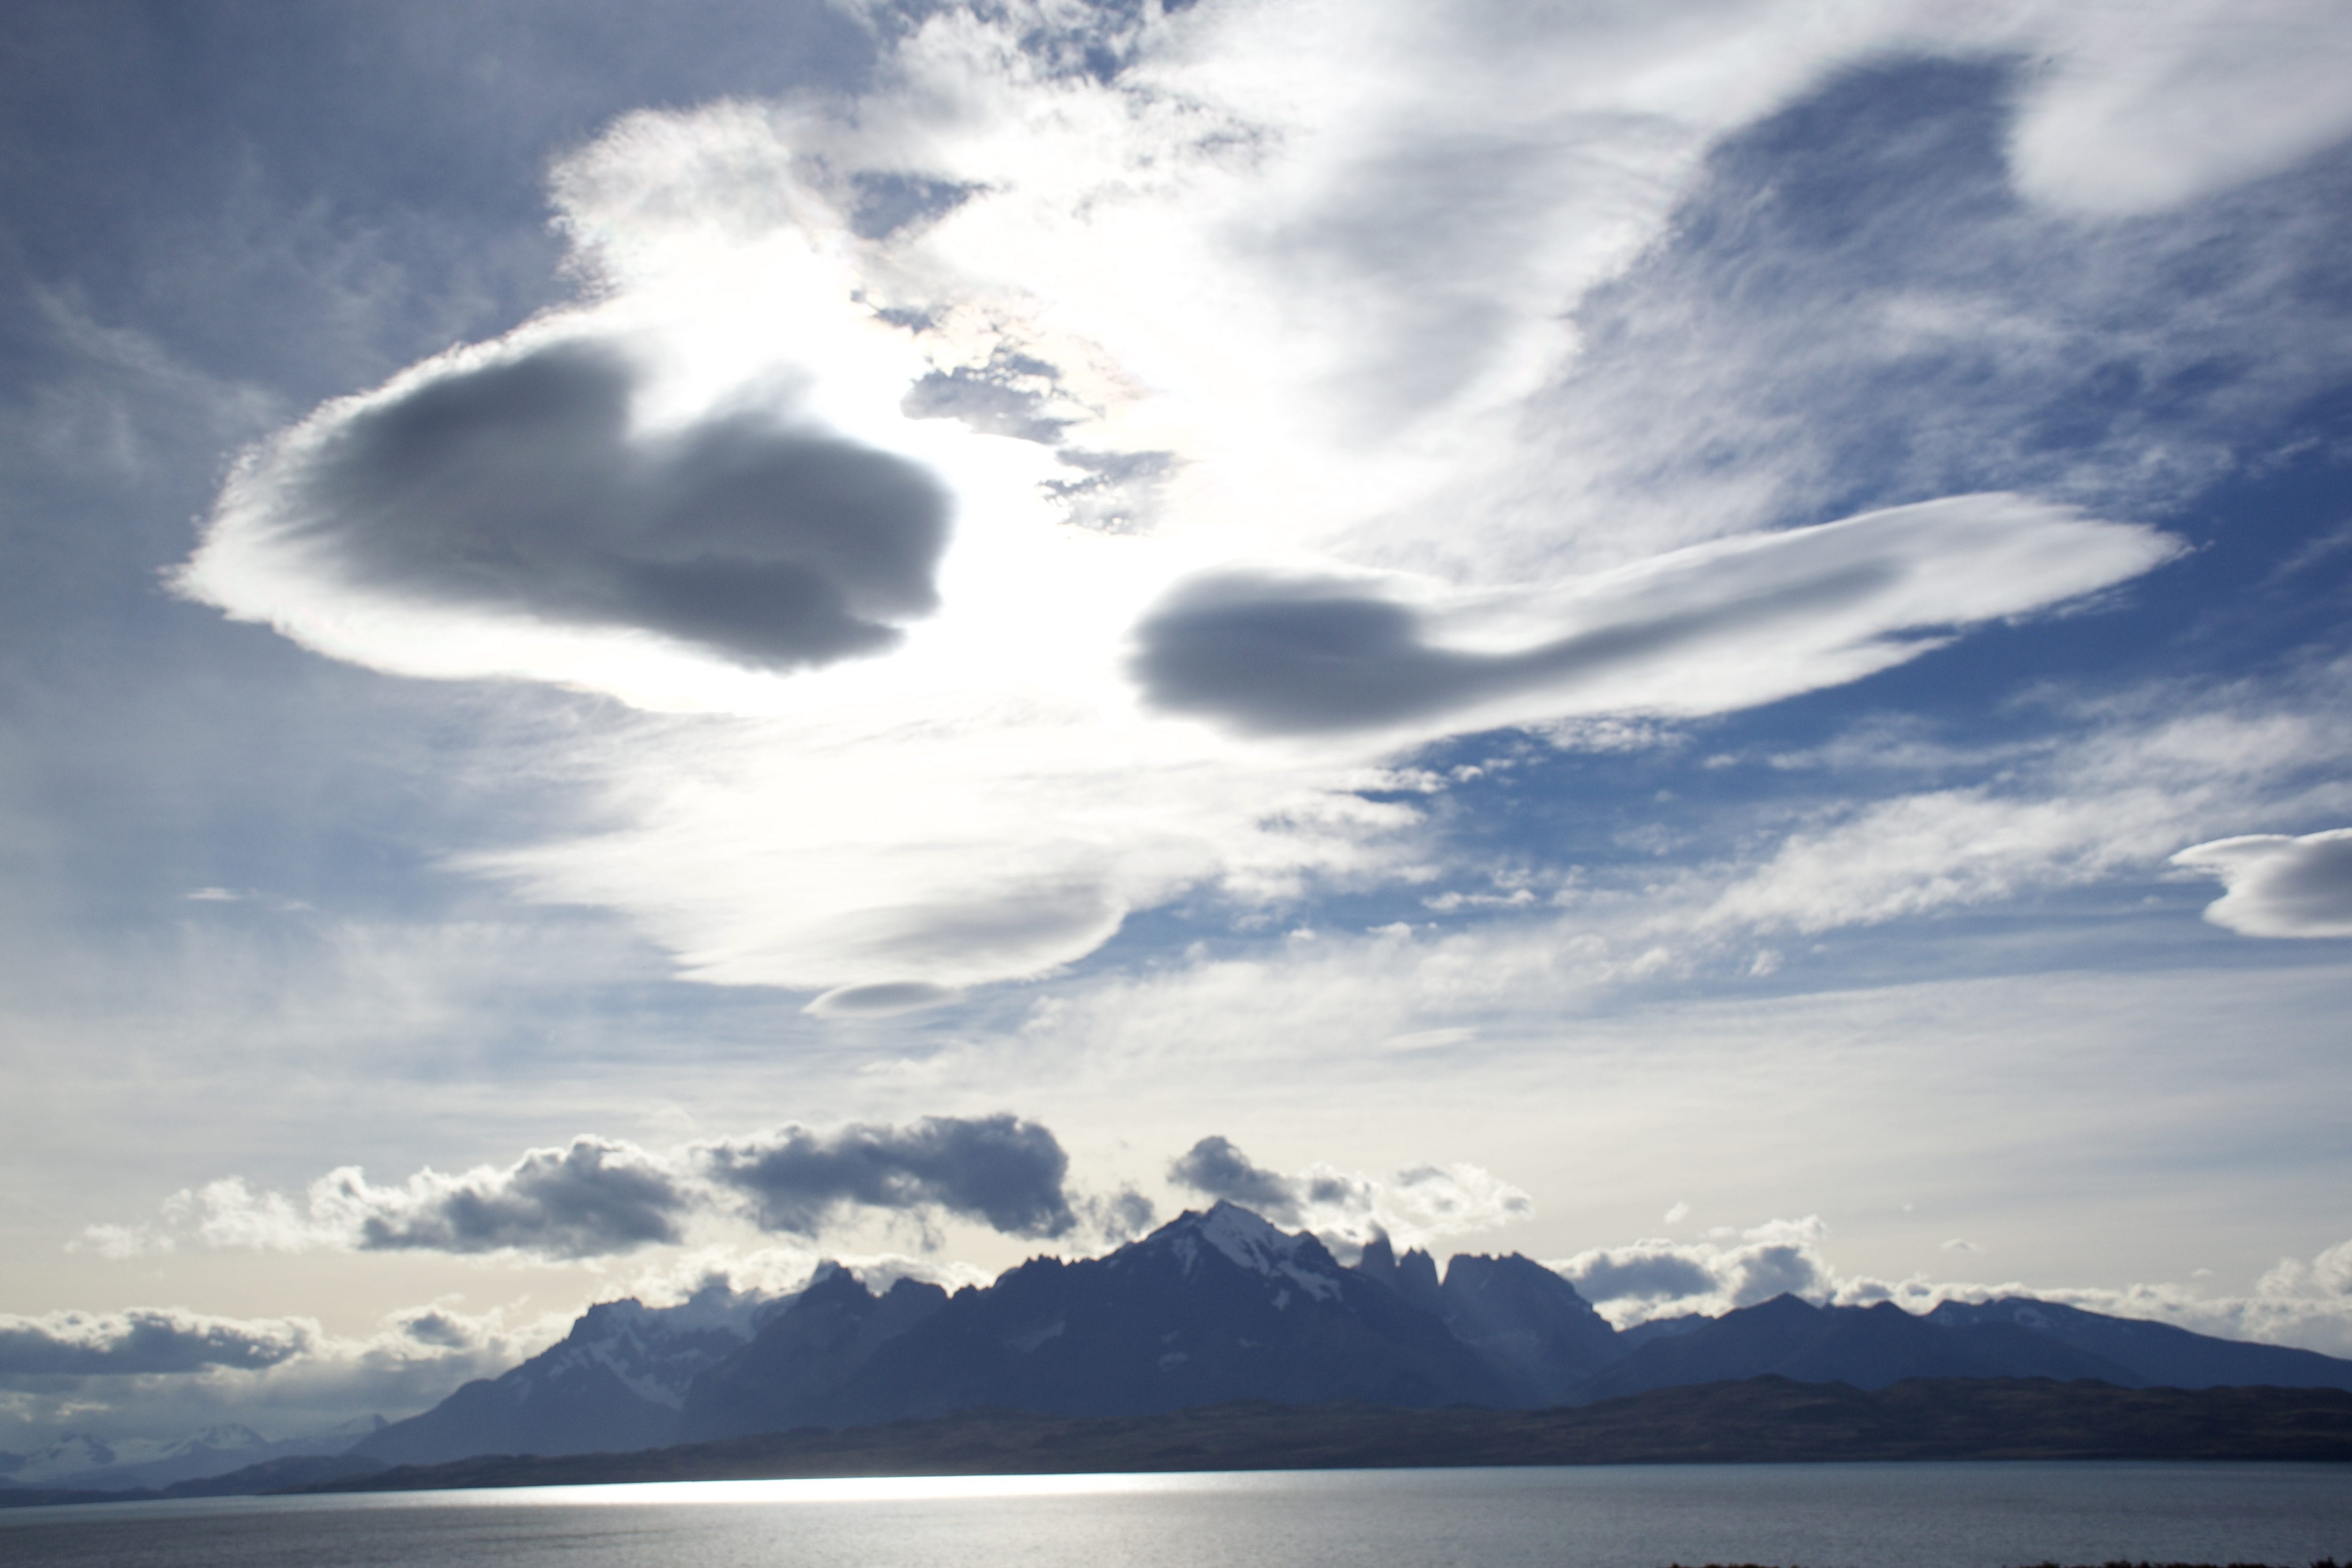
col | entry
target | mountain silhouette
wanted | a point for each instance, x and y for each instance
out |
(1221, 1306)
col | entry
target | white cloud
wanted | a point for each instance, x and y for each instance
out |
(2111, 794)
(1410, 1207)
(1661, 1278)
(2140, 107)
(1195, 323)
(2160, 767)
(2279, 885)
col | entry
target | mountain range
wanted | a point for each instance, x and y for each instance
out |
(1218, 1307)
(1221, 1306)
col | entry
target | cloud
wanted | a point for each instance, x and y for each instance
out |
(1410, 1206)
(1215, 1169)
(1122, 1215)
(1646, 1272)
(592, 1199)
(2279, 885)
(880, 1001)
(1658, 1277)
(2138, 112)
(1327, 364)
(589, 1199)
(1852, 304)
(145, 1341)
(2151, 768)
(1707, 629)
(522, 483)
(163, 1372)
(997, 1169)
(2298, 1303)
(600, 1197)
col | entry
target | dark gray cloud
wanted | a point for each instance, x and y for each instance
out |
(2280, 886)
(516, 484)
(436, 1329)
(1269, 655)
(1771, 1260)
(140, 1340)
(1777, 1268)
(1215, 1169)
(999, 1170)
(591, 1199)
(1120, 1217)
(1645, 1276)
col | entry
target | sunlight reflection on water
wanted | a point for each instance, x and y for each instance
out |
(1828, 1516)
(857, 1489)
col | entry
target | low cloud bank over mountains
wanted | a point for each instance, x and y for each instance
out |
(1221, 1305)
(1212, 1307)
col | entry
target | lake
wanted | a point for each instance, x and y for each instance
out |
(1823, 1516)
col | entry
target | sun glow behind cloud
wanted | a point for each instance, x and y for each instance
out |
(1261, 316)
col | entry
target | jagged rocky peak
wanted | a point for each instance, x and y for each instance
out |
(1413, 1277)
(832, 1282)
(835, 1288)
(714, 1307)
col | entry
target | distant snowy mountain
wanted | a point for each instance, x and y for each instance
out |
(1871, 1347)
(2157, 1355)
(614, 1383)
(75, 1460)
(73, 1453)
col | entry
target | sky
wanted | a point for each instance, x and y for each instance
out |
(644, 644)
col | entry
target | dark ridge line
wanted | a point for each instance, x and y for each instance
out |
(1763, 1420)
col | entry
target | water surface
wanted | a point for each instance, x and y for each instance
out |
(1821, 1516)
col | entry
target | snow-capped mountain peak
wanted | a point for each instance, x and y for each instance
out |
(228, 1439)
(1252, 1244)
(72, 1453)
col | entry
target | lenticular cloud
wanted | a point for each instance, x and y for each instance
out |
(1067, 475)
(2279, 885)
(514, 484)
